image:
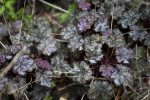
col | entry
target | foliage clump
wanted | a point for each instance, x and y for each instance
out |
(122, 76)
(81, 71)
(104, 46)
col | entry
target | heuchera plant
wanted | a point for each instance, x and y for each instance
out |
(100, 42)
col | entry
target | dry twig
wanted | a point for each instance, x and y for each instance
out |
(54, 6)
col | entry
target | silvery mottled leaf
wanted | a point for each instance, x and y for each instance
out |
(43, 77)
(105, 10)
(15, 48)
(92, 16)
(24, 64)
(129, 18)
(69, 31)
(14, 38)
(59, 65)
(81, 72)
(123, 54)
(114, 40)
(47, 45)
(76, 43)
(38, 29)
(122, 76)
(3, 80)
(101, 25)
(118, 11)
(41, 23)
(137, 33)
(100, 90)
(93, 49)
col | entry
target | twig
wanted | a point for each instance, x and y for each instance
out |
(3, 45)
(54, 6)
(112, 52)
(134, 90)
(112, 18)
(145, 96)
(61, 40)
(26, 96)
(83, 96)
(52, 20)
(137, 65)
(21, 23)
(33, 9)
(56, 34)
(53, 76)
(12, 62)
(44, 32)
(148, 53)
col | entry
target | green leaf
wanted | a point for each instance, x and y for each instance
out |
(2, 10)
(1, 1)
(62, 18)
(53, 84)
(49, 98)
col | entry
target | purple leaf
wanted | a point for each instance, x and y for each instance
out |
(107, 33)
(84, 5)
(42, 63)
(83, 24)
(106, 70)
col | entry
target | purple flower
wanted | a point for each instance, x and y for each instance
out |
(84, 5)
(107, 33)
(106, 70)
(42, 63)
(83, 24)
(2, 58)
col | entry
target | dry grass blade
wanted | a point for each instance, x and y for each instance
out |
(56, 7)
(3, 45)
(21, 23)
(26, 96)
(112, 18)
